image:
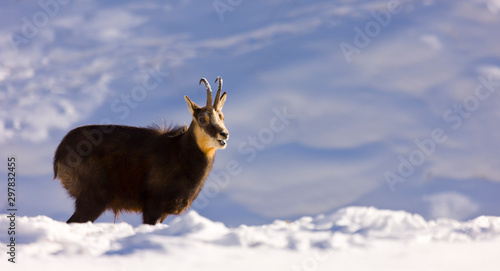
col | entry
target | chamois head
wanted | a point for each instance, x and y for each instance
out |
(210, 131)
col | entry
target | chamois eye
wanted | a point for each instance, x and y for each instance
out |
(202, 120)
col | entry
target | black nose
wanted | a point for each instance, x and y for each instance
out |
(224, 134)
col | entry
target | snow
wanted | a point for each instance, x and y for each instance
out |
(353, 238)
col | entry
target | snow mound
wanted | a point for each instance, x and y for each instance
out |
(350, 227)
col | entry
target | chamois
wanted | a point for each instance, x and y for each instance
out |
(155, 171)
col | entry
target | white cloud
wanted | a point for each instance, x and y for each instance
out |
(112, 24)
(493, 6)
(258, 38)
(450, 205)
(51, 84)
(432, 41)
(32, 102)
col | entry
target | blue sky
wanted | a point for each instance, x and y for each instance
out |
(360, 81)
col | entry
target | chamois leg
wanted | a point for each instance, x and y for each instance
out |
(88, 208)
(87, 211)
(151, 212)
(154, 212)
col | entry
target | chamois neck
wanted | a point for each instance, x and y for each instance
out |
(196, 135)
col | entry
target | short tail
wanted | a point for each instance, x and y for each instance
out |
(56, 168)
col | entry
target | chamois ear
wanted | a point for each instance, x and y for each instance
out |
(191, 105)
(221, 102)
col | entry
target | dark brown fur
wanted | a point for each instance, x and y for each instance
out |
(154, 171)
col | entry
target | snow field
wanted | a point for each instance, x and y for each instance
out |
(353, 238)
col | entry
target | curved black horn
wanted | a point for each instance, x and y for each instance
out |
(219, 89)
(209, 92)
